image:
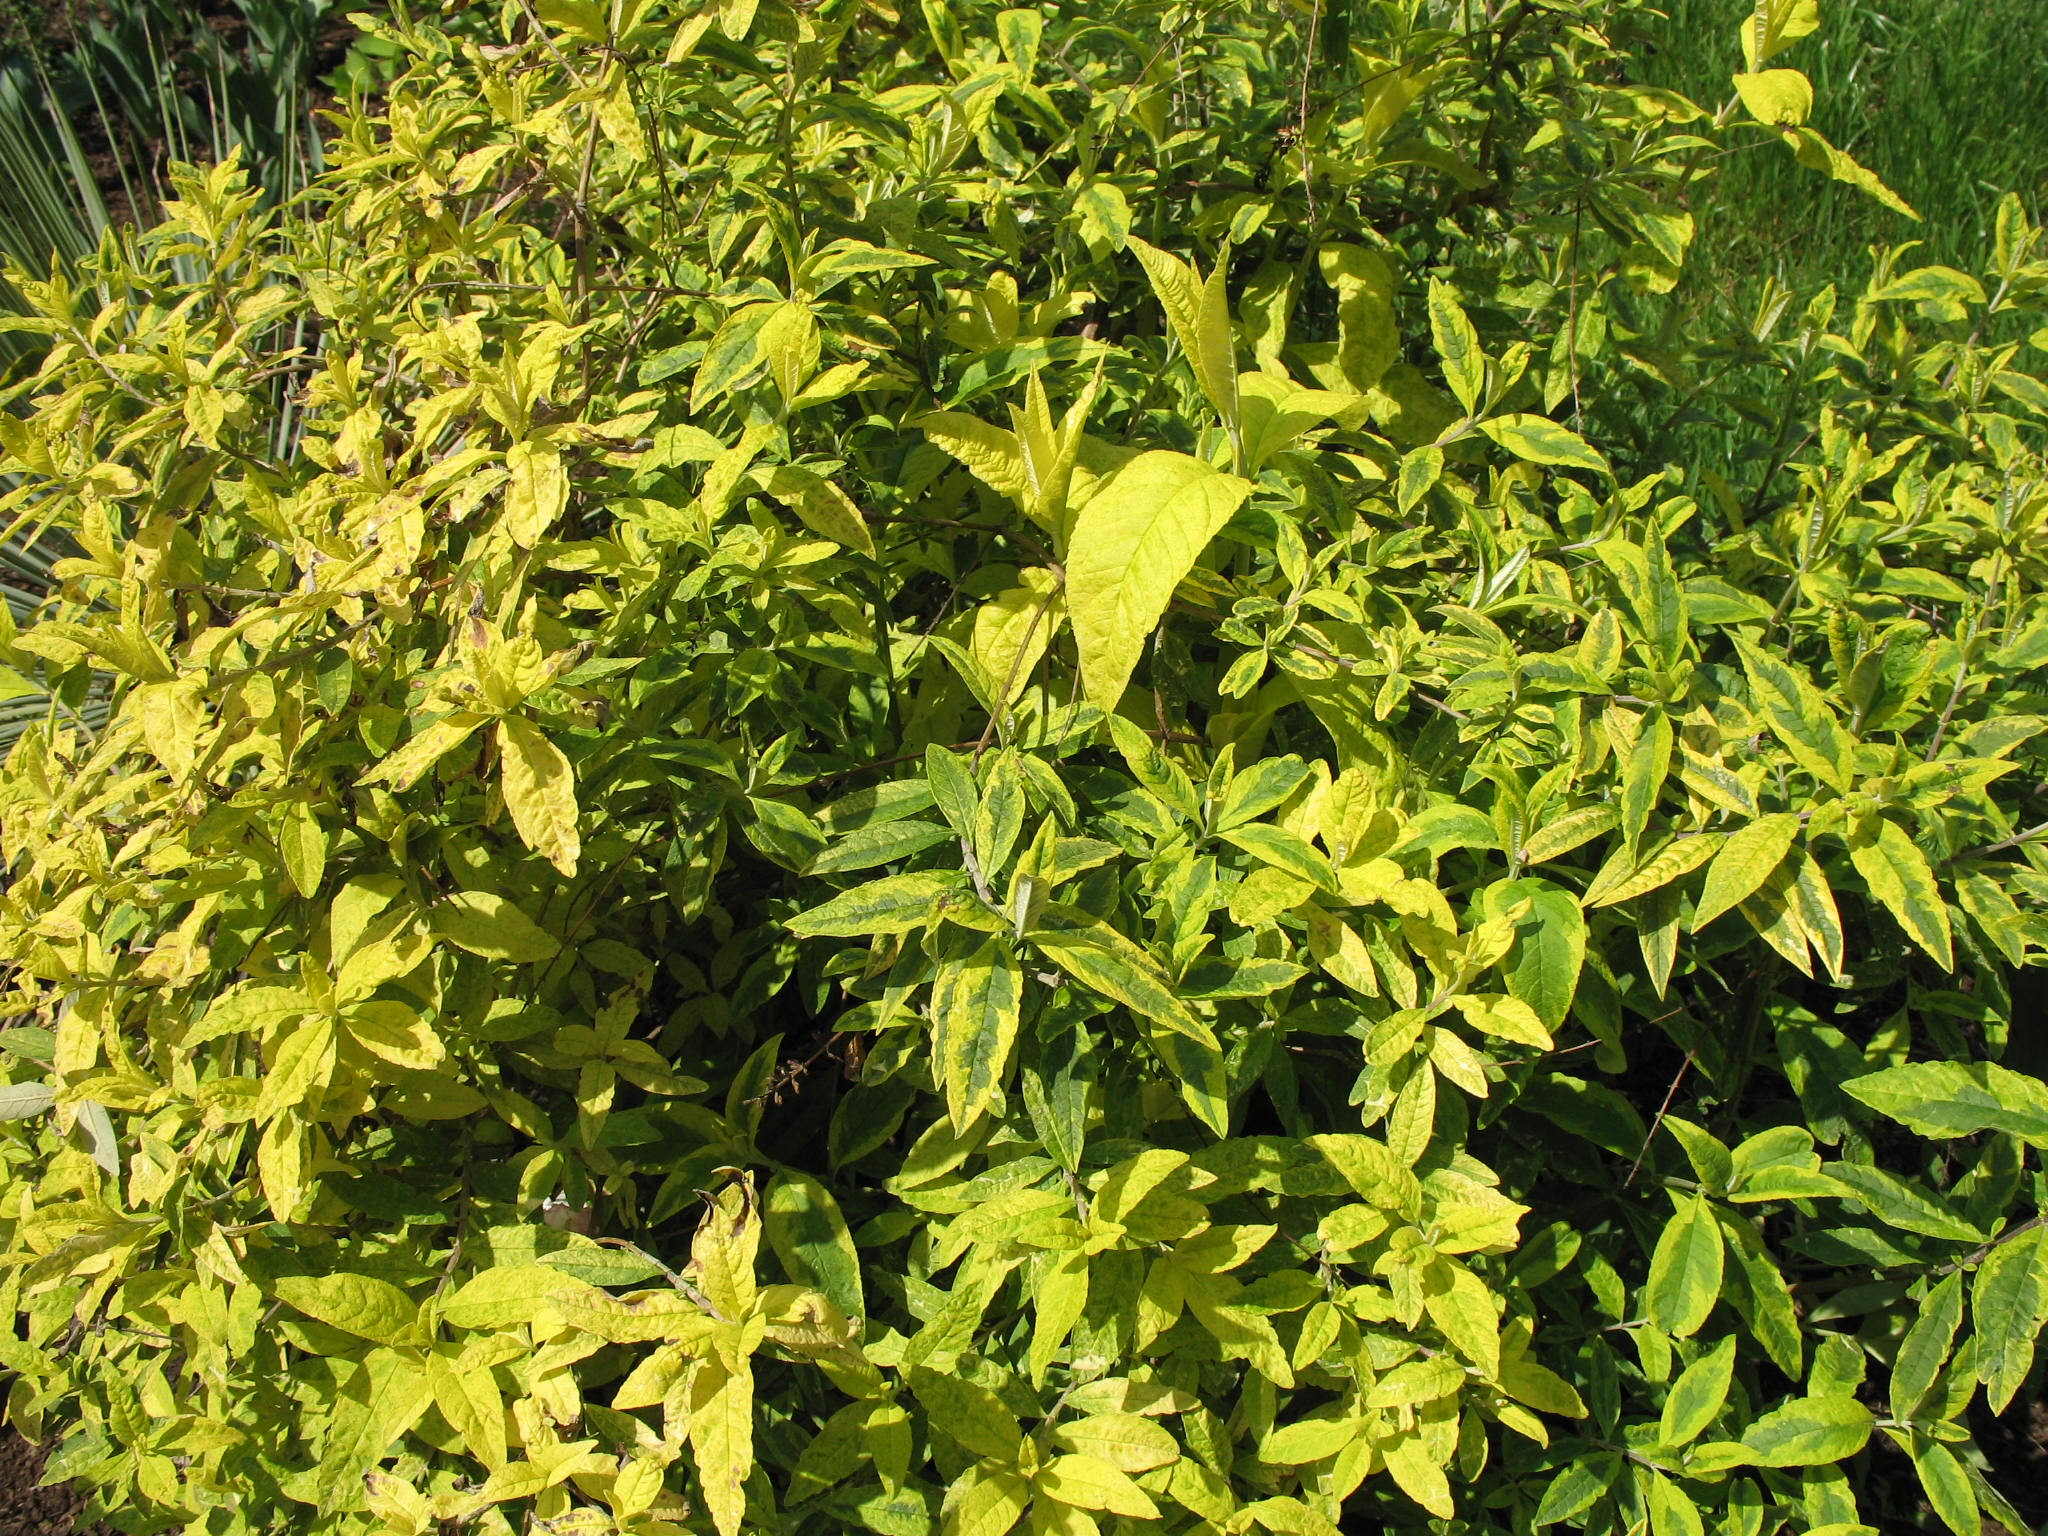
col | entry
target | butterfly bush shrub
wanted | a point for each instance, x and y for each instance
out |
(942, 769)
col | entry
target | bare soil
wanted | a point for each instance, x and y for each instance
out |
(28, 1509)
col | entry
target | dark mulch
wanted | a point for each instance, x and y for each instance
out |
(27, 1509)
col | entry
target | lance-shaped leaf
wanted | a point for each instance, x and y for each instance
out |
(360, 1304)
(821, 506)
(1011, 633)
(1132, 542)
(1457, 345)
(1368, 333)
(2005, 1308)
(402, 769)
(1743, 863)
(1050, 452)
(993, 455)
(1951, 1098)
(1945, 1482)
(1925, 1349)
(1088, 1482)
(975, 1007)
(485, 923)
(1538, 440)
(895, 904)
(1799, 717)
(1105, 961)
(540, 792)
(1696, 1397)
(1685, 1270)
(1902, 1204)
(809, 1236)
(376, 1405)
(1200, 315)
(537, 492)
(1198, 1067)
(303, 843)
(1549, 951)
(721, 1403)
(968, 1413)
(1810, 148)
(1809, 1432)
(1898, 875)
(1774, 25)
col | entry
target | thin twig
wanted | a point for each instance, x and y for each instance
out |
(1988, 849)
(1657, 1124)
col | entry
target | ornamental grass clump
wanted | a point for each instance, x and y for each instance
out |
(943, 770)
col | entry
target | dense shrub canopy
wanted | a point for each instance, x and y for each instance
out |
(831, 767)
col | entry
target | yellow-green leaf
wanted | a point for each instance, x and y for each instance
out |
(402, 769)
(1059, 1297)
(1418, 1475)
(988, 1506)
(722, 1253)
(1286, 1515)
(1743, 863)
(1102, 208)
(1368, 337)
(1011, 633)
(1681, 856)
(1541, 1388)
(1898, 875)
(1695, 1399)
(821, 506)
(1538, 440)
(485, 923)
(1505, 1018)
(540, 792)
(1133, 541)
(359, 1304)
(893, 904)
(640, 1318)
(1457, 345)
(1685, 1269)
(1107, 962)
(1283, 850)
(1809, 1432)
(2005, 1307)
(1463, 1311)
(303, 843)
(809, 1236)
(1947, 1486)
(1200, 315)
(503, 1296)
(788, 343)
(968, 1413)
(537, 492)
(1126, 1441)
(1811, 149)
(1774, 25)
(1088, 1482)
(991, 453)
(975, 1008)
(1799, 717)
(722, 1435)
(1946, 1099)
(1369, 1167)
(304, 1061)
(1780, 97)
(1924, 1352)
(734, 354)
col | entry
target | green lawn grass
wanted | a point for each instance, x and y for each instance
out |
(1947, 100)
